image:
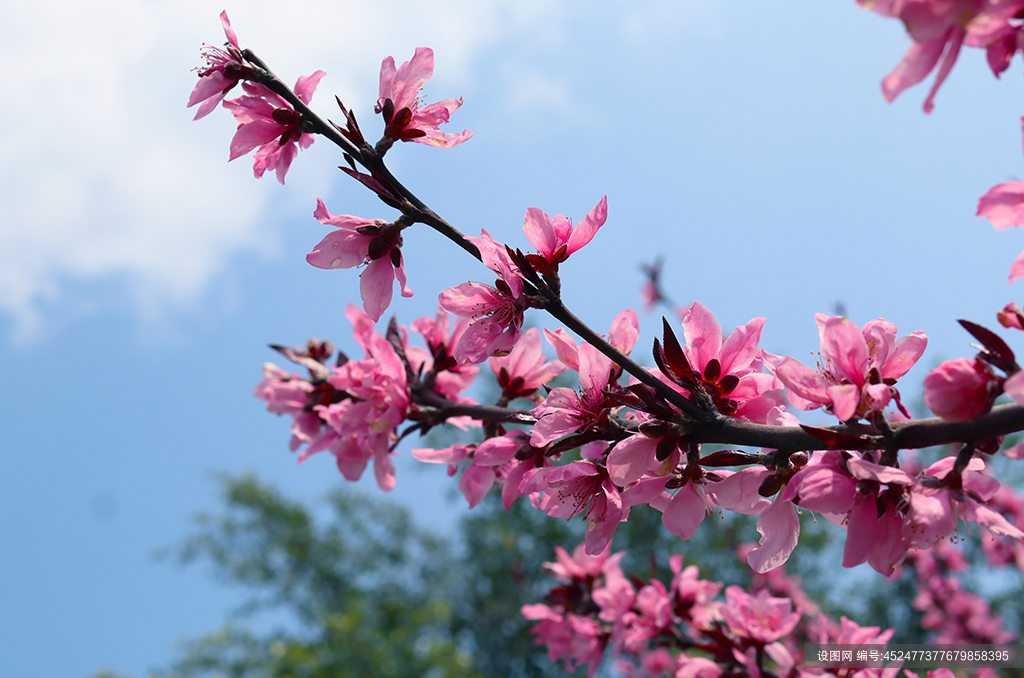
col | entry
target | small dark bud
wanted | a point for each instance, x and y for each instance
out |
(770, 486)
(378, 248)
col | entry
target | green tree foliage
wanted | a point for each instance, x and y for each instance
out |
(363, 591)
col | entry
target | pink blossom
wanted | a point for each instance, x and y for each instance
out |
(842, 484)
(267, 121)
(357, 242)
(525, 369)
(400, 103)
(856, 369)
(939, 497)
(577, 488)
(939, 28)
(222, 72)
(693, 594)
(565, 411)
(579, 639)
(686, 510)
(651, 617)
(760, 618)
(582, 565)
(731, 369)
(364, 423)
(496, 312)
(961, 389)
(436, 366)
(556, 239)
(289, 394)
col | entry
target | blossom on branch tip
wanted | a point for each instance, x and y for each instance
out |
(267, 121)
(358, 241)
(224, 68)
(399, 101)
(556, 239)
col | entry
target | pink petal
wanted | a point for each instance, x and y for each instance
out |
(470, 300)
(449, 455)
(400, 277)
(822, 488)
(845, 350)
(434, 137)
(1017, 268)
(909, 350)
(475, 483)
(409, 78)
(630, 459)
(376, 284)
(1003, 205)
(806, 387)
(340, 249)
(862, 523)
(740, 349)
(703, 336)
(956, 40)
(889, 548)
(228, 31)
(865, 470)
(624, 331)
(845, 399)
(595, 370)
(779, 526)
(565, 347)
(993, 520)
(738, 492)
(540, 232)
(1014, 387)
(917, 63)
(253, 134)
(476, 343)
(685, 512)
(606, 512)
(384, 470)
(305, 86)
(586, 229)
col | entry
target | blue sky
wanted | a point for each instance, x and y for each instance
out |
(141, 275)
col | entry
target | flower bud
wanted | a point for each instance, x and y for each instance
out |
(958, 390)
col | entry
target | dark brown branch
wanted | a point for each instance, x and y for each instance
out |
(439, 409)
(709, 426)
(915, 434)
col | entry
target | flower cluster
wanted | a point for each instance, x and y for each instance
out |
(683, 628)
(622, 436)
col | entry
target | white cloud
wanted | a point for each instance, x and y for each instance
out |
(104, 177)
